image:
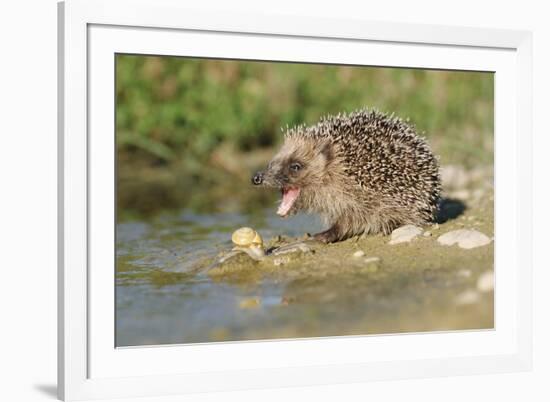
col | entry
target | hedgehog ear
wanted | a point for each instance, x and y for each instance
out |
(326, 151)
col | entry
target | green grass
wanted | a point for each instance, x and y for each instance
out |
(172, 108)
(176, 114)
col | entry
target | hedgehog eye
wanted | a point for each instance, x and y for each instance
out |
(295, 167)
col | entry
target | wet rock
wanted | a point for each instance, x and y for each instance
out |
(232, 256)
(234, 261)
(404, 234)
(292, 248)
(289, 252)
(359, 254)
(486, 282)
(465, 238)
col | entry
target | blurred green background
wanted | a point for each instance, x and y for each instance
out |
(190, 132)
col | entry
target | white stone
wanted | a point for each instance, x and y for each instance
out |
(281, 261)
(464, 273)
(404, 234)
(486, 282)
(359, 253)
(427, 234)
(371, 259)
(465, 238)
(467, 297)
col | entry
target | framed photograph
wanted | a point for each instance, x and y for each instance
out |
(251, 201)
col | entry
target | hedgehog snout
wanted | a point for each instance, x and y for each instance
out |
(269, 178)
(258, 178)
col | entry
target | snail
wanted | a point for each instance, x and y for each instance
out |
(248, 240)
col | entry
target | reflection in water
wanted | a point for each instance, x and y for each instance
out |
(160, 298)
(166, 294)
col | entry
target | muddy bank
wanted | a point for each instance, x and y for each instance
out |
(368, 286)
(170, 289)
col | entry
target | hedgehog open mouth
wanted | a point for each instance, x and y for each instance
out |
(290, 194)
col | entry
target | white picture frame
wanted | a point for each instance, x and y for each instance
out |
(92, 32)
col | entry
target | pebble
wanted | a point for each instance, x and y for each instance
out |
(466, 238)
(281, 261)
(292, 248)
(251, 302)
(371, 259)
(427, 234)
(464, 273)
(486, 282)
(467, 297)
(404, 234)
(359, 253)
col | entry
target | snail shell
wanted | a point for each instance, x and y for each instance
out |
(255, 252)
(246, 237)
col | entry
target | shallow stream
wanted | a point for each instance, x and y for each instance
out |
(166, 295)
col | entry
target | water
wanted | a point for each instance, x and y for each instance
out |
(165, 294)
(162, 299)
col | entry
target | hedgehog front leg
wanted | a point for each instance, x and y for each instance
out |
(329, 236)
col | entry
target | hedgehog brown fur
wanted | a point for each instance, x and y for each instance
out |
(363, 172)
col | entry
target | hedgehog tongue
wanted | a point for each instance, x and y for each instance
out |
(289, 197)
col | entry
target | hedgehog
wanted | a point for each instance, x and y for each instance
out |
(365, 172)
